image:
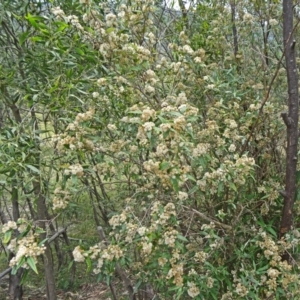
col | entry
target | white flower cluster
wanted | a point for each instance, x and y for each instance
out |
(182, 196)
(147, 114)
(181, 98)
(193, 290)
(273, 22)
(74, 21)
(179, 123)
(170, 237)
(27, 246)
(58, 12)
(148, 126)
(176, 272)
(201, 149)
(102, 81)
(248, 18)
(110, 19)
(149, 89)
(112, 127)
(187, 49)
(88, 115)
(8, 226)
(78, 254)
(61, 199)
(146, 248)
(118, 220)
(161, 150)
(76, 169)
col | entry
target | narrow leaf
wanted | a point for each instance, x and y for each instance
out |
(34, 169)
(30, 261)
(7, 236)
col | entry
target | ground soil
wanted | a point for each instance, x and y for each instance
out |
(86, 292)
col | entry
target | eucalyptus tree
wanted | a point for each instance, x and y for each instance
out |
(36, 95)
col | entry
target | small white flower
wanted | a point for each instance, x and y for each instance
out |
(273, 22)
(77, 254)
(148, 126)
(182, 196)
(112, 127)
(102, 81)
(232, 148)
(149, 89)
(193, 290)
(95, 95)
(187, 49)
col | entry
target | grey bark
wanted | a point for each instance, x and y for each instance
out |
(291, 121)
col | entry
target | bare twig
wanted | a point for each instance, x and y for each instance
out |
(4, 273)
(203, 216)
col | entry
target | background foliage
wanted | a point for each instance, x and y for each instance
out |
(160, 129)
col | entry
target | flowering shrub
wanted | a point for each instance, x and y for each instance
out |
(179, 139)
(192, 183)
(26, 247)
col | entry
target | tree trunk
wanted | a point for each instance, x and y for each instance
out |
(15, 287)
(291, 122)
(48, 263)
(184, 14)
(234, 30)
(42, 218)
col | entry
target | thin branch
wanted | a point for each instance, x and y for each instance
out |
(268, 92)
(4, 273)
(206, 218)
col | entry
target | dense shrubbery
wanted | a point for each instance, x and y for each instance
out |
(178, 140)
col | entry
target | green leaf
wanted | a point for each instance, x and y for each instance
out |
(232, 186)
(4, 170)
(23, 37)
(35, 21)
(7, 236)
(43, 241)
(108, 280)
(34, 169)
(88, 264)
(21, 262)
(14, 270)
(174, 288)
(262, 269)
(164, 165)
(30, 261)
(23, 156)
(24, 276)
(271, 230)
(137, 285)
(190, 177)
(37, 39)
(182, 238)
(70, 264)
(25, 232)
(109, 30)
(79, 51)
(193, 190)
(175, 184)
(220, 188)
(74, 180)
